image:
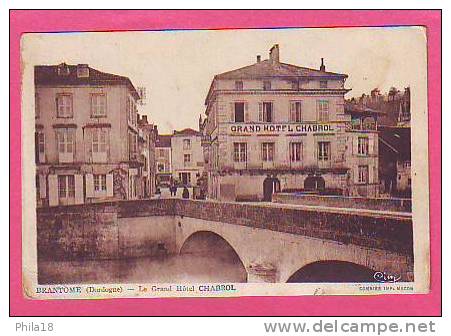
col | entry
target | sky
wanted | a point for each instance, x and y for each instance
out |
(177, 67)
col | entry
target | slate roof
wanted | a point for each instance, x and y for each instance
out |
(163, 140)
(396, 139)
(187, 131)
(267, 68)
(48, 75)
(356, 109)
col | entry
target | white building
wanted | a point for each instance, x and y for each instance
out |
(187, 158)
(274, 126)
(86, 136)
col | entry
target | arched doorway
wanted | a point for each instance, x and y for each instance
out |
(313, 182)
(212, 258)
(332, 271)
(271, 184)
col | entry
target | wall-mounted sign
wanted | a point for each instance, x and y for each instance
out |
(280, 128)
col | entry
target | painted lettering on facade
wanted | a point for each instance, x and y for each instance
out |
(280, 128)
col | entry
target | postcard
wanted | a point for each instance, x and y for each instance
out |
(224, 163)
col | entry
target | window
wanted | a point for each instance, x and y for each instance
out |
(296, 151)
(266, 85)
(295, 85)
(132, 143)
(98, 105)
(296, 111)
(66, 144)
(186, 144)
(323, 110)
(363, 146)
(82, 70)
(239, 85)
(363, 174)
(40, 147)
(36, 105)
(268, 151)
(323, 151)
(323, 84)
(409, 182)
(407, 164)
(64, 106)
(239, 112)
(160, 167)
(161, 153)
(99, 140)
(186, 159)
(266, 112)
(99, 182)
(240, 152)
(66, 186)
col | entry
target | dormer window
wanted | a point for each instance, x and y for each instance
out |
(266, 85)
(82, 71)
(63, 69)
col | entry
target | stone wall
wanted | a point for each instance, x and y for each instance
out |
(147, 227)
(384, 204)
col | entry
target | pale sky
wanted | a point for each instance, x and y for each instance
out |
(177, 67)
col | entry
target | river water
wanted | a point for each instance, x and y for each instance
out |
(168, 269)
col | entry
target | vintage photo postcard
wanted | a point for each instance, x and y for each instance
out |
(218, 163)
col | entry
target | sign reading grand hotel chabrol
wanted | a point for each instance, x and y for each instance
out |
(280, 128)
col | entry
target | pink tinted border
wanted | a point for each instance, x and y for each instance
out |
(22, 21)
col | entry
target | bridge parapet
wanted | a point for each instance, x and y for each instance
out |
(93, 227)
(373, 229)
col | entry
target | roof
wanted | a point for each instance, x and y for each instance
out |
(187, 132)
(397, 139)
(267, 68)
(163, 140)
(351, 108)
(48, 75)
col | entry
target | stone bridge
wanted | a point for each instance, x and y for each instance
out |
(274, 242)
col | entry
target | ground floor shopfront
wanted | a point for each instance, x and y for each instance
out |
(258, 186)
(78, 184)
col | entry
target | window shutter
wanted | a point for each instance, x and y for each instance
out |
(273, 109)
(42, 186)
(260, 111)
(89, 185)
(356, 174)
(232, 112)
(79, 189)
(355, 145)
(53, 190)
(371, 145)
(109, 185)
(246, 112)
(370, 174)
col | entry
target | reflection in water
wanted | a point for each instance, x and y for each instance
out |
(170, 269)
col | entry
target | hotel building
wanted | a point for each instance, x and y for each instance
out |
(273, 126)
(86, 136)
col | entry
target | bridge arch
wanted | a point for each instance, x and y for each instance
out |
(328, 271)
(209, 244)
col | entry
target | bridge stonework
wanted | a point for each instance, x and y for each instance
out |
(272, 241)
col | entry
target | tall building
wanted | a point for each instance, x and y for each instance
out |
(86, 136)
(187, 156)
(163, 160)
(273, 126)
(147, 138)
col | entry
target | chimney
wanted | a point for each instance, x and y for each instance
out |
(259, 58)
(274, 54)
(322, 67)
